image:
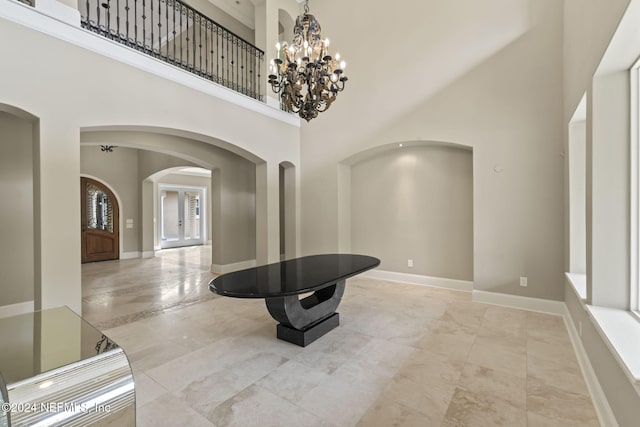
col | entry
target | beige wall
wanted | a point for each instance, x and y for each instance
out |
(490, 79)
(16, 210)
(415, 203)
(118, 170)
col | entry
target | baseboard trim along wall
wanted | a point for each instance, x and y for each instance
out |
(228, 268)
(129, 255)
(516, 301)
(148, 254)
(417, 279)
(602, 407)
(15, 309)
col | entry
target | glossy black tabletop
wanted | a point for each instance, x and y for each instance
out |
(292, 277)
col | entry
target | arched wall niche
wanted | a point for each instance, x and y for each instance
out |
(19, 211)
(411, 204)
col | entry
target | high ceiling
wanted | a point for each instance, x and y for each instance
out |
(242, 10)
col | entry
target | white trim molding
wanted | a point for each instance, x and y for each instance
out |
(417, 279)
(516, 301)
(15, 309)
(148, 254)
(130, 255)
(600, 402)
(228, 268)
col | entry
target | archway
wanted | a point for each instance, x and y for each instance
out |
(411, 204)
(287, 195)
(19, 211)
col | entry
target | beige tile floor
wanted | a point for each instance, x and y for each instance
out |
(403, 355)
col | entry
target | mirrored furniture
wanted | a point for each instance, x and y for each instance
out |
(57, 369)
(302, 321)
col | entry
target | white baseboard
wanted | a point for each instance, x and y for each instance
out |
(130, 255)
(603, 410)
(148, 254)
(15, 309)
(516, 301)
(417, 279)
(602, 407)
(227, 268)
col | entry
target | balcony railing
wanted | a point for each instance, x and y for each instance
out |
(180, 35)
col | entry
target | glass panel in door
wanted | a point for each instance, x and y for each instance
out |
(181, 217)
(170, 215)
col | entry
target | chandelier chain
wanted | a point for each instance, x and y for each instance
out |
(306, 6)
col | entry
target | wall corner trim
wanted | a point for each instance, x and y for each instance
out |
(417, 279)
(15, 309)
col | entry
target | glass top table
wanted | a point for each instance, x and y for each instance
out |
(57, 369)
(302, 321)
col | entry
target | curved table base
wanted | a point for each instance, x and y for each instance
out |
(303, 321)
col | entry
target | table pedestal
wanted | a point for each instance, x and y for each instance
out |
(303, 321)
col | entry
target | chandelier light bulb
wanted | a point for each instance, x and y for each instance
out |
(304, 75)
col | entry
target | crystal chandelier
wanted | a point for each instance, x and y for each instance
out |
(305, 75)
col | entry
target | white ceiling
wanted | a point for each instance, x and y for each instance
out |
(242, 10)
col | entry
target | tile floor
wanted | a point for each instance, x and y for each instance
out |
(403, 355)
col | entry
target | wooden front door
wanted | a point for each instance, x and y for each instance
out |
(100, 222)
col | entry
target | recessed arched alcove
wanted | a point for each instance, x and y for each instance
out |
(410, 204)
(19, 132)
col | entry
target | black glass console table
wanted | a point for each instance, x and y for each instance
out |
(302, 321)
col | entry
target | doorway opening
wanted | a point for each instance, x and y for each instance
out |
(182, 216)
(100, 222)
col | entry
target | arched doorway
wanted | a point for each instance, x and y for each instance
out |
(100, 219)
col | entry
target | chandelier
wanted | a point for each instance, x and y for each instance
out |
(305, 75)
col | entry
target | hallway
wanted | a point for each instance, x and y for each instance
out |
(411, 355)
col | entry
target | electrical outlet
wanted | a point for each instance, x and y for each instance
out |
(410, 263)
(523, 281)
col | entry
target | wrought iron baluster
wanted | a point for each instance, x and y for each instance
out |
(160, 27)
(108, 7)
(151, 14)
(217, 53)
(226, 33)
(181, 35)
(88, 14)
(194, 39)
(187, 38)
(206, 49)
(98, 19)
(126, 7)
(135, 21)
(118, 18)
(166, 12)
(174, 32)
(200, 44)
(144, 25)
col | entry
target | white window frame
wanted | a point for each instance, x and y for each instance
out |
(634, 294)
